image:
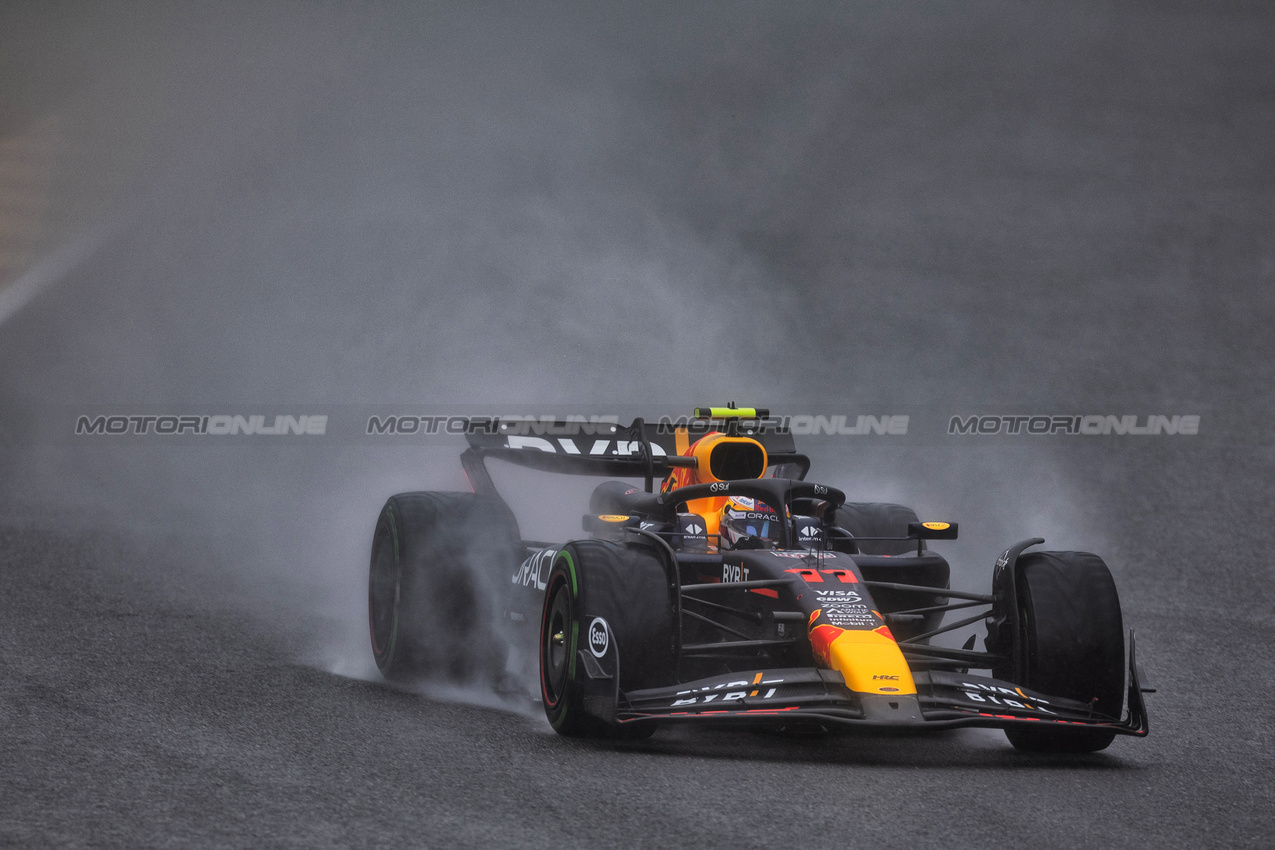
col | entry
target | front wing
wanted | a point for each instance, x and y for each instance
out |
(806, 696)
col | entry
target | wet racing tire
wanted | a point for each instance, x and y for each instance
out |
(624, 585)
(434, 585)
(878, 519)
(1072, 644)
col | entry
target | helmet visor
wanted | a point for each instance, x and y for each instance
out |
(746, 523)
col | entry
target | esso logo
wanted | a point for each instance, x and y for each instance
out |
(718, 487)
(599, 636)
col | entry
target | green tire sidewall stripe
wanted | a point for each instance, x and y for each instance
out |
(575, 622)
(564, 709)
(571, 567)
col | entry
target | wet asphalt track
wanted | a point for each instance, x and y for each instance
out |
(1081, 199)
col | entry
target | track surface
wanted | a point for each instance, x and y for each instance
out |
(1013, 208)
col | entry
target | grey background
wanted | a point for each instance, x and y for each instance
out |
(849, 208)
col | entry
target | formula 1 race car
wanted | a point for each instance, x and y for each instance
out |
(738, 592)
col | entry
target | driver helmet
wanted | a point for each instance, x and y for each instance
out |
(748, 524)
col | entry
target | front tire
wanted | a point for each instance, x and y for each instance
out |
(433, 585)
(624, 585)
(1072, 644)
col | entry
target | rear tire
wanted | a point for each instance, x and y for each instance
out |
(433, 585)
(878, 519)
(625, 585)
(1072, 644)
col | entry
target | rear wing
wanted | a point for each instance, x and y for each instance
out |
(641, 449)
